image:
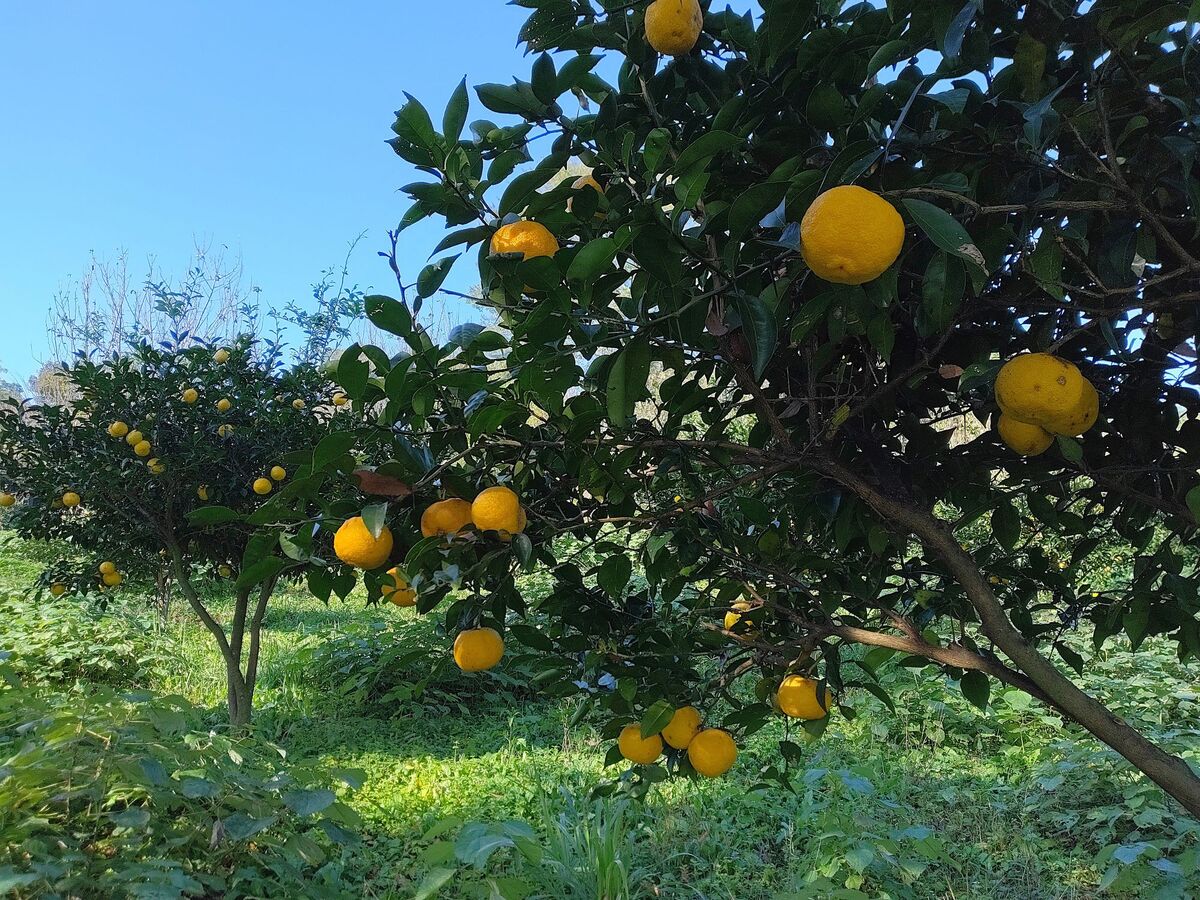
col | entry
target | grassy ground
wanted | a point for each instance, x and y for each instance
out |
(936, 800)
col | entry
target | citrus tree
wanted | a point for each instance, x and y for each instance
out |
(862, 308)
(174, 460)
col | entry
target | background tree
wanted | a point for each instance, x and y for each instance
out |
(799, 456)
(175, 459)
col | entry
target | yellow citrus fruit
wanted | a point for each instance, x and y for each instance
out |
(446, 517)
(221, 356)
(70, 498)
(398, 590)
(497, 509)
(298, 404)
(637, 749)
(224, 571)
(735, 614)
(191, 395)
(156, 466)
(142, 448)
(1040, 389)
(1023, 439)
(340, 400)
(113, 579)
(1083, 417)
(477, 649)
(278, 473)
(850, 235)
(356, 546)
(224, 404)
(107, 567)
(118, 429)
(262, 486)
(7, 500)
(684, 726)
(712, 752)
(673, 26)
(134, 438)
(57, 590)
(797, 698)
(202, 492)
(225, 431)
(530, 239)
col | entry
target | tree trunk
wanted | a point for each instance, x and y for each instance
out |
(1169, 772)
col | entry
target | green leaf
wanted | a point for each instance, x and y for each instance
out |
(1193, 502)
(657, 717)
(375, 517)
(614, 573)
(704, 148)
(331, 448)
(754, 203)
(308, 802)
(456, 112)
(593, 259)
(254, 575)
(433, 882)
(545, 79)
(759, 328)
(207, 516)
(389, 314)
(627, 379)
(414, 125)
(1070, 449)
(1006, 525)
(976, 688)
(945, 231)
(888, 55)
(657, 144)
(433, 275)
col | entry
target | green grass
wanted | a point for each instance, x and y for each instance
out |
(937, 800)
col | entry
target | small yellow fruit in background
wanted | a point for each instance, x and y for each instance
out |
(278, 473)
(684, 726)
(674, 26)
(298, 404)
(477, 649)
(712, 752)
(118, 429)
(191, 395)
(497, 509)
(1023, 439)
(225, 431)
(850, 235)
(398, 590)
(340, 400)
(202, 492)
(446, 517)
(142, 448)
(262, 486)
(57, 590)
(113, 579)
(224, 404)
(530, 239)
(735, 614)
(221, 356)
(7, 500)
(134, 438)
(797, 698)
(224, 571)
(637, 749)
(356, 546)
(156, 466)
(107, 567)
(70, 498)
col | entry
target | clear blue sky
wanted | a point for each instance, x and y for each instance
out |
(259, 125)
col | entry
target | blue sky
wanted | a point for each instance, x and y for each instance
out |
(260, 125)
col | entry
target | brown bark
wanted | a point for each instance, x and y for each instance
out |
(1169, 772)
